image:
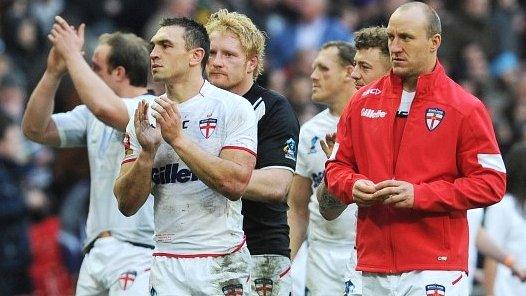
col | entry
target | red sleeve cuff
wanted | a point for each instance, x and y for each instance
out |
(240, 148)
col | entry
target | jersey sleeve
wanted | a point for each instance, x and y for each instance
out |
(130, 142)
(302, 165)
(278, 137)
(241, 128)
(497, 220)
(72, 126)
(341, 168)
(482, 180)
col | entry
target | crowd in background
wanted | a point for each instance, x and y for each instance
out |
(45, 192)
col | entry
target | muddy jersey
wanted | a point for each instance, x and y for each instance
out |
(80, 128)
(311, 165)
(190, 217)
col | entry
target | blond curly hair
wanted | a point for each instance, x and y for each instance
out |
(251, 38)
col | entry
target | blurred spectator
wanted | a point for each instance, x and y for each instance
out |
(313, 29)
(44, 11)
(15, 254)
(48, 273)
(169, 8)
(12, 97)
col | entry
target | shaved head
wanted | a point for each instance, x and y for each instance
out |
(433, 21)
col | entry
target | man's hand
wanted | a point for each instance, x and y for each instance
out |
(55, 63)
(363, 193)
(328, 144)
(66, 39)
(169, 119)
(148, 136)
(518, 272)
(398, 193)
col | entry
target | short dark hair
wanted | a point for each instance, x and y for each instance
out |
(130, 52)
(434, 25)
(195, 35)
(372, 37)
(346, 51)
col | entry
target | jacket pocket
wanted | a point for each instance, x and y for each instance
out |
(446, 220)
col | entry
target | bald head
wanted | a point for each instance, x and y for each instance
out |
(429, 14)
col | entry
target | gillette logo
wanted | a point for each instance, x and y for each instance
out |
(370, 113)
(172, 174)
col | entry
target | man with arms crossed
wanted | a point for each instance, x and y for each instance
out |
(196, 158)
(118, 249)
(329, 243)
(236, 60)
(412, 236)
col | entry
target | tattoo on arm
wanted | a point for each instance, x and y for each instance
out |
(327, 201)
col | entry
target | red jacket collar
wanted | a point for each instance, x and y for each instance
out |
(424, 84)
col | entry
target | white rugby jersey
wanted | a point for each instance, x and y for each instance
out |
(78, 128)
(505, 222)
(311, 164)
(190, 217)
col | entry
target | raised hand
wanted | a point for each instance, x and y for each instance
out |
(148, 136)
(328, 144)
(55, 63)
(168, 119)
(65, 38)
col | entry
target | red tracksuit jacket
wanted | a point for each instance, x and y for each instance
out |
(448, 151)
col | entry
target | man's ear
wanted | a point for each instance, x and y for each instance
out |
(436, 40)
(197, 56)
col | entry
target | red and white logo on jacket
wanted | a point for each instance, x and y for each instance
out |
(433, 117)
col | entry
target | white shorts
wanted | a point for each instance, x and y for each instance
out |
(416, 283)
(326, 269)
(114, 267)
(353, 277)
(270, 275)
(225, 275)
(298, 271)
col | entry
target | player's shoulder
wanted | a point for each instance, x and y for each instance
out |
(459, 98)
(317, 123)
(133, 102)
(270, 98)
(320, 118)
(223, 97)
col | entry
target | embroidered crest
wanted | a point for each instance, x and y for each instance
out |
(434, 117)
(233, 290)
(207, 126)
(126, 279)
(263, 286)
(435, 290)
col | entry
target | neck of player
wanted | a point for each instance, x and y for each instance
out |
(409, 82)
(131, 91)
(244, 86)
(341, 100)
(182, 91)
